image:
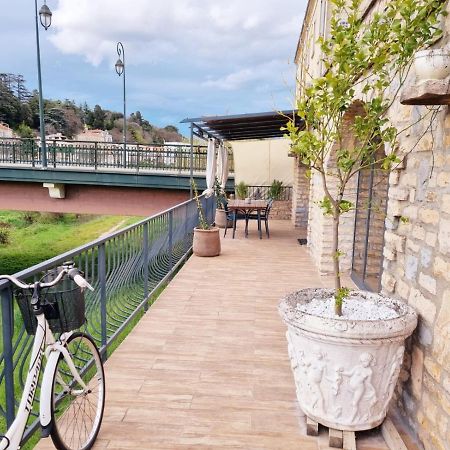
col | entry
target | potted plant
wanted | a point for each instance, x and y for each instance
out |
(276, 190)
(221, 200)
(206, 237)
(346, 346)
(241, 190)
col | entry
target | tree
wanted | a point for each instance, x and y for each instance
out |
(98, 117)
(24, 131)
(369, 59)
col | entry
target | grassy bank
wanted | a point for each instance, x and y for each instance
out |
(33, 237)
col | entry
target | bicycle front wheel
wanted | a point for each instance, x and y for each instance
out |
(77, 412)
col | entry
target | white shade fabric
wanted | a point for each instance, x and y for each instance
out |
(211, 163)
(222, 166)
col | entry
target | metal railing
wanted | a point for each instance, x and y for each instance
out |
(101, 155)
(126, 268)
(264, 192)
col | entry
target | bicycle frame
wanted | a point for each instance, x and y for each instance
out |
(44, 343)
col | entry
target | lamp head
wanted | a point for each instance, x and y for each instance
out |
(45, 16)
(120, 67)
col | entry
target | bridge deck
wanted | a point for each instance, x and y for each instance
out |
(207, 367)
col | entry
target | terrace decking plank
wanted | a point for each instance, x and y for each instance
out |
(207, 366)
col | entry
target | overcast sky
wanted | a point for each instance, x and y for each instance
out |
(185, 58)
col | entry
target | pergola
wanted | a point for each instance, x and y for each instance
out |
(240, 127)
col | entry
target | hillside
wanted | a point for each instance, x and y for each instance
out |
(19, 108)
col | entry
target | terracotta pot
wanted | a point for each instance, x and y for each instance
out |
(432, 64)
(345, 370)
(221, 219)
(206, 242)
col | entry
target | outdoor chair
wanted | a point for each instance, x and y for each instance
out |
(263, 216)
(231, 216)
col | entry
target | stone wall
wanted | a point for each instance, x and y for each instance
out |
(281, 210)
(416, 246)
(417, 269)
(300, 197)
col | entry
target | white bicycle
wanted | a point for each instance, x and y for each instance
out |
(72, 395)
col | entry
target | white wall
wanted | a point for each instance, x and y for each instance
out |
(260, 162)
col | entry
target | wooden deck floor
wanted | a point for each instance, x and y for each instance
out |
(207, 367)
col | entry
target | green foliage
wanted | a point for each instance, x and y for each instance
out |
(276, 189)
(4, 235)
(366, 62)
(202, 222)
(220, 194)
(340, 295)
(25, 131)
(241, 190)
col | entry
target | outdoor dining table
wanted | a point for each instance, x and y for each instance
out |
(247, 207)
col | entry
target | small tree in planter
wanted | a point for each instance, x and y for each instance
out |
(221, 199)
(369, 60)
(206, 237)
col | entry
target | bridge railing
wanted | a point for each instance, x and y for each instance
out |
(126, 268)
(102, 155)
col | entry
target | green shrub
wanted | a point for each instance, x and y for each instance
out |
(241, 190)
(276, 189)
(4, 236)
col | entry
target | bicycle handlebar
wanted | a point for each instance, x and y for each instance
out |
(70, 270)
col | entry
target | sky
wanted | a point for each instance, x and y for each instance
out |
(184, 58)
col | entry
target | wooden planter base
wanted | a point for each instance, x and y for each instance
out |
(347, 439)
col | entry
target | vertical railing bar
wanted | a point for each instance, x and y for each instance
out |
(102, 280)
(170, 240)
(145, 262)
(8, 363)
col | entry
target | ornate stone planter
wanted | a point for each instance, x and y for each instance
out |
(206, 242)
(432, 64)
(345, 371)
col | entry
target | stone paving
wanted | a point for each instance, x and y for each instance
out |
(207, 367)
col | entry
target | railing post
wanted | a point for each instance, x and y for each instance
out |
(8, 330)
(95, 156)
(145, 262)
(138, 158)
(102, 280)
(54, 154)
(33, 142)
(14, 152)
(171, 240)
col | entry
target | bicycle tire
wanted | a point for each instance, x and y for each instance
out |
(77, 415)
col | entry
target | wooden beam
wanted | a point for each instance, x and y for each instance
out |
(349, 440)
(392, 436)
(335, 438)
(312, 427)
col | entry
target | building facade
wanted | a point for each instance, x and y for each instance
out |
(401, 247)
(5, 131)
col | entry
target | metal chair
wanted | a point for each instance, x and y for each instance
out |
(231, 216)
(264, 215)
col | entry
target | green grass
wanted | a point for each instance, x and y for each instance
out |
(48, 235)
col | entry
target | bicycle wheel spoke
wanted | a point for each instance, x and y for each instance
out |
(76, 424)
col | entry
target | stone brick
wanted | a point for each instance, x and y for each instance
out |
(430, 216)
(431, 238)
(399, 193)
(445, 204)
(394, 178)
(441, 268)
(444, 236)
(429, 407)
(411, 266)
(426, 255)
(388, 282)
(419, 232)
(411, 245)
(433, 368)
(395, 241)
(443, 179)
(395, 208)
(411, 212)
(412, 195)
(425, 307)
(402, 289)
(428, 283)
(417, 372)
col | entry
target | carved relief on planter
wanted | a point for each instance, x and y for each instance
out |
(345, 377)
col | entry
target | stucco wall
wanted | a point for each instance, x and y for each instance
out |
(258, 163)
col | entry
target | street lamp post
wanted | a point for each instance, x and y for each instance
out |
(45, 17)
(120, 69)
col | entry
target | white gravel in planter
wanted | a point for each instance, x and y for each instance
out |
(353, 309)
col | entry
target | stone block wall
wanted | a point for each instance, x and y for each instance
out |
(417, 270)
(281, 210)
(300, 197)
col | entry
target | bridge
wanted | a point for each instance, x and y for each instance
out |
(99, 178)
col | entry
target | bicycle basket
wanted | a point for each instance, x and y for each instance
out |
(63, 306)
